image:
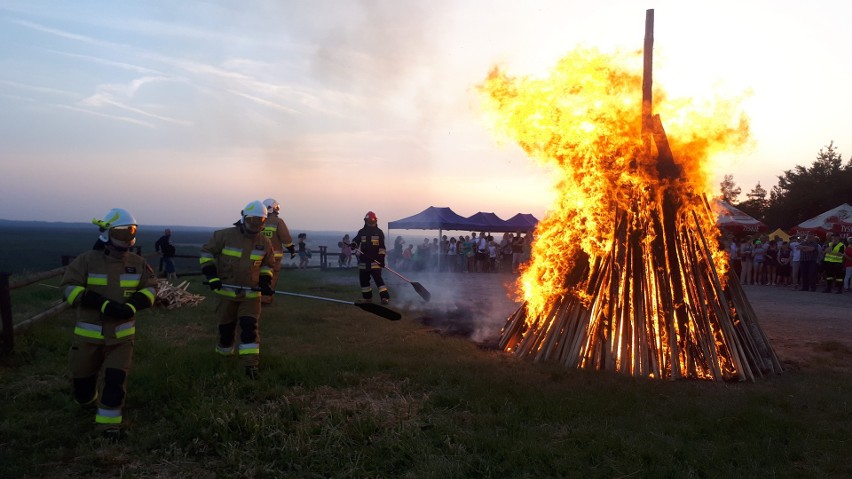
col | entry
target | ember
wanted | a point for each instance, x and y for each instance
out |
(626, 273)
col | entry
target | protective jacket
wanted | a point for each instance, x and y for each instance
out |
(834, 254)
(116, 279)
(237, 258)
(276, 230)
(371, 242)
(106, 285)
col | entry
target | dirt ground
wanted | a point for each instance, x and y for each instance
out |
(806, 329)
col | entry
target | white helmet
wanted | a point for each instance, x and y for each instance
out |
(254, 216)
(117, 227)
(272, 206)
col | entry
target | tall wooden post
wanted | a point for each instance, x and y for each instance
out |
(647, 77)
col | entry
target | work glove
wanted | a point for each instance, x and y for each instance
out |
(91, 299)
(292, 250)
(214, 283)
(117, 310)
(265, 285)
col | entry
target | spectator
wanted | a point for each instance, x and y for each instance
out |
(481, 253)
(733, 250)
(771, 262)
(517, 251)
(747, 260)
(784, 268)
(345, 252)
(493, 254)
(759, 257)
(467, 254)
(807, 262)
(407, 257)
(396, 257)
(795, 257)
(833, 263)
(167, 252)
(847, 262)
(506, 252)
(304, 251)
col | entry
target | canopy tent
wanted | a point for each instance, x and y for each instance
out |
(838, 220)
(730, 219)
(433, 218)
(523, 222)
(489, 222)
(780, 234)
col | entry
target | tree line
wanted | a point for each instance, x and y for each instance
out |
(801, 193)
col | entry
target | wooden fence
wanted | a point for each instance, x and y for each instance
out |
(7, 335)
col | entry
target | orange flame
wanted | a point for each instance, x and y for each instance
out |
(585, 118)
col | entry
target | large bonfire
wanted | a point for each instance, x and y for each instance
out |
(626, 272)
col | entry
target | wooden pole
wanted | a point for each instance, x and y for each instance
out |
(7, 336)
(647, 76)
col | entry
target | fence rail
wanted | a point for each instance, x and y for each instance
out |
(7, 335)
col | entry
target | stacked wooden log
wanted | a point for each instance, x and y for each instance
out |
(653, 306)
(171, 296)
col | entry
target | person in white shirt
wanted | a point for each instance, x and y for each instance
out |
(796, 254)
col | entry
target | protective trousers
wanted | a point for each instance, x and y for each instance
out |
(246, 314)
(367, 271)
(833, 275)
(87, 362)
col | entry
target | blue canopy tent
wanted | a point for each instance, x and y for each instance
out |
(432, 218)
(523, 222)
(488, 222)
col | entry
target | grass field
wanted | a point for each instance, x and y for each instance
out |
(346, 394)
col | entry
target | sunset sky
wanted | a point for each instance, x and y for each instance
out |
(183, 112)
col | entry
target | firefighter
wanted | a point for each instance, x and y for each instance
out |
(108, 285)
(242, 258)
(833, 264)
(276, 230)
(369, 244)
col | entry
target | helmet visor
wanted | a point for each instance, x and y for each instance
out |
(125, 234)
(254, 223)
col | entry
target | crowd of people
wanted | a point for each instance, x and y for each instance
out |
(473, 253)
(803, 262)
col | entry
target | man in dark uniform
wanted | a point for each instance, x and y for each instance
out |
(369, 243)
(109, 284)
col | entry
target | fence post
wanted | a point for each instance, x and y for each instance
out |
(323, 257)
(7, 337)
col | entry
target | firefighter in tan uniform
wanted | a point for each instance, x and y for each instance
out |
(276, 230)
(108, 285)
(240, 256)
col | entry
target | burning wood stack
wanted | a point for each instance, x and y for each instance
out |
(626, 273)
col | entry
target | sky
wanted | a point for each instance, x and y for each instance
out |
(184, 112)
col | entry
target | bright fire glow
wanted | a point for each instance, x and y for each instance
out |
(586, 119)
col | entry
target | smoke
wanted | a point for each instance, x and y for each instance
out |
(472, 305)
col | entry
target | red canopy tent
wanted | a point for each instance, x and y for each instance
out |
(730, 219)
(838, 220)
